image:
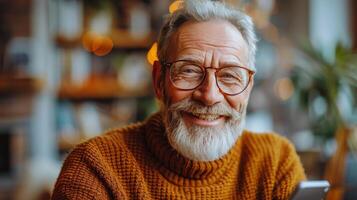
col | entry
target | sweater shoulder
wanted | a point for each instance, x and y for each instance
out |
(268, 145)
(266, 140)
(95, 161)
(111, 143)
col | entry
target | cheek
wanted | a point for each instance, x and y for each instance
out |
(236, 102)
(240, 101)
(173, 95)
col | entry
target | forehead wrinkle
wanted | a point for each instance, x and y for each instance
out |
(198, 49)
(185, 40)
(188, 44)
(197, 54)
(225, 28)
(185, 43)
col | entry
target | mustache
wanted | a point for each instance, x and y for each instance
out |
(188, 105)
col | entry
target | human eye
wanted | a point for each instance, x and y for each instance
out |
(190, 70)
(229, 77)
(232, 76)
(187, 70)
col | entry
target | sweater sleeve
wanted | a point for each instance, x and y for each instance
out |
(78, 178)
(290, 172)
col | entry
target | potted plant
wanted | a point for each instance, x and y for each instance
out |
(319, 83)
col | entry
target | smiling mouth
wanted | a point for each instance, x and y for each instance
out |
(203, 119)
(205, 116)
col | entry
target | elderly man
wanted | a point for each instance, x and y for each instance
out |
(195, 147)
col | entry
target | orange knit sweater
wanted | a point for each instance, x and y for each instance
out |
(137, 162)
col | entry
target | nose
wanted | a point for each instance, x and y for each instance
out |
(208, 92)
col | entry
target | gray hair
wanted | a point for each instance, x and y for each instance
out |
(205, 10)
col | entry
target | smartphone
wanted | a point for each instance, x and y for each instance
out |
(311, 190)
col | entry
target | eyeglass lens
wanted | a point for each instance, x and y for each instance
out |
(231, 80)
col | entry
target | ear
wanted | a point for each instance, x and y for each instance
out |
(156, 78)
(252, 81)
(251, 84)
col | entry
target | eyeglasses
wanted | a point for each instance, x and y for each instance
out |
(188, 75)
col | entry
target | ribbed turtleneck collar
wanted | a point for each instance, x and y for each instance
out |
(179, 169)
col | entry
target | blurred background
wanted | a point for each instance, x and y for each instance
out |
(71, 69)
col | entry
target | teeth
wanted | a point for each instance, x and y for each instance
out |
(208, 117)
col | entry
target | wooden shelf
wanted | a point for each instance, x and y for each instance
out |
(122, 39)
(68, 42)
(97, 88)
(18, 85)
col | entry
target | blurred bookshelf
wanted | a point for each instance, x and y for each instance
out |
(16, 99)
(98, 78)
(105, 78)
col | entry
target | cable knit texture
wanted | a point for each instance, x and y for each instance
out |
(137, 162)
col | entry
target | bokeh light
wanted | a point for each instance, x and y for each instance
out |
(100, 45)
(284, 88)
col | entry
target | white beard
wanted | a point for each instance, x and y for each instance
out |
(202, 143)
